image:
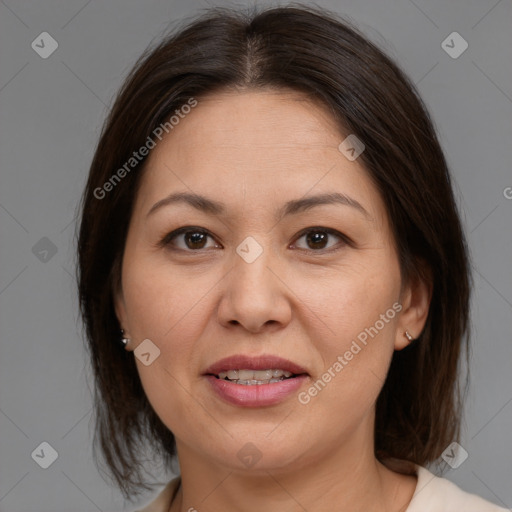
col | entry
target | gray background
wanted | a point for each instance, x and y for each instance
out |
(51, 113)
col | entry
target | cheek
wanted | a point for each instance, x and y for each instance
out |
(357, 315)
(166, 308)
(163, 303)
(347, 300)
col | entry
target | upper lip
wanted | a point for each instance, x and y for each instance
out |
(261, 362)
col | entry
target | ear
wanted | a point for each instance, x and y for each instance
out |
(120, 308)
(415, 299)
(119, 302)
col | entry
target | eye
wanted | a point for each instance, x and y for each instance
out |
(193, 239)
(317, 238)
(189, 238)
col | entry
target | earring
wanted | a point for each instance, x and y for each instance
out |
(124, 340)
(408, 336)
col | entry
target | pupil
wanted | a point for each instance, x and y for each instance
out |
(317, 238)
(195, 238)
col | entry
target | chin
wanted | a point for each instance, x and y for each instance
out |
(256, 454)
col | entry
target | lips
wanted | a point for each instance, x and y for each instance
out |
(256, 363)
(224, 380)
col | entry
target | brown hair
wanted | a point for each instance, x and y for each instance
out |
(300, 48)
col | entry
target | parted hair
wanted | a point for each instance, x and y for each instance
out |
(418, 411)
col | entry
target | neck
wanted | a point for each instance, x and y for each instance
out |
(346, 478)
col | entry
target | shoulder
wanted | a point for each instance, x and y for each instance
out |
(435, 494)
(163, 500)
(432, 494)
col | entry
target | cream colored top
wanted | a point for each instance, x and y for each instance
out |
(432, 494)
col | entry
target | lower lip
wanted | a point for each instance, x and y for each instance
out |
(258, 395)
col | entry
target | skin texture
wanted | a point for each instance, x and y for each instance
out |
(255, 150)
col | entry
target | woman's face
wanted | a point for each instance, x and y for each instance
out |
(268, 272)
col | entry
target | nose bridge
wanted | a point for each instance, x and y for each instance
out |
(253, 296)
(250, 263)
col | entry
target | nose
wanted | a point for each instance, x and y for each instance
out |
(255, 296)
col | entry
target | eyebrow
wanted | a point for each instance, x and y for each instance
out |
(292, 207)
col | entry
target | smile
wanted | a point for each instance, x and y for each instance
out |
(255, 377)
(255, 381)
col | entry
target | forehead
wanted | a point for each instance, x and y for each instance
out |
(259, 144)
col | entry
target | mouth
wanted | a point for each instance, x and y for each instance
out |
(255, 381)
(255, 377)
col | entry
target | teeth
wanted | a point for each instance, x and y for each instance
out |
(253, 382)
(246, 374)
(255, 377)
(263, 375)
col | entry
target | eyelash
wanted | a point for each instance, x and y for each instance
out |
(166, 241)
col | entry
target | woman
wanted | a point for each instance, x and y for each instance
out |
(269, 228)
